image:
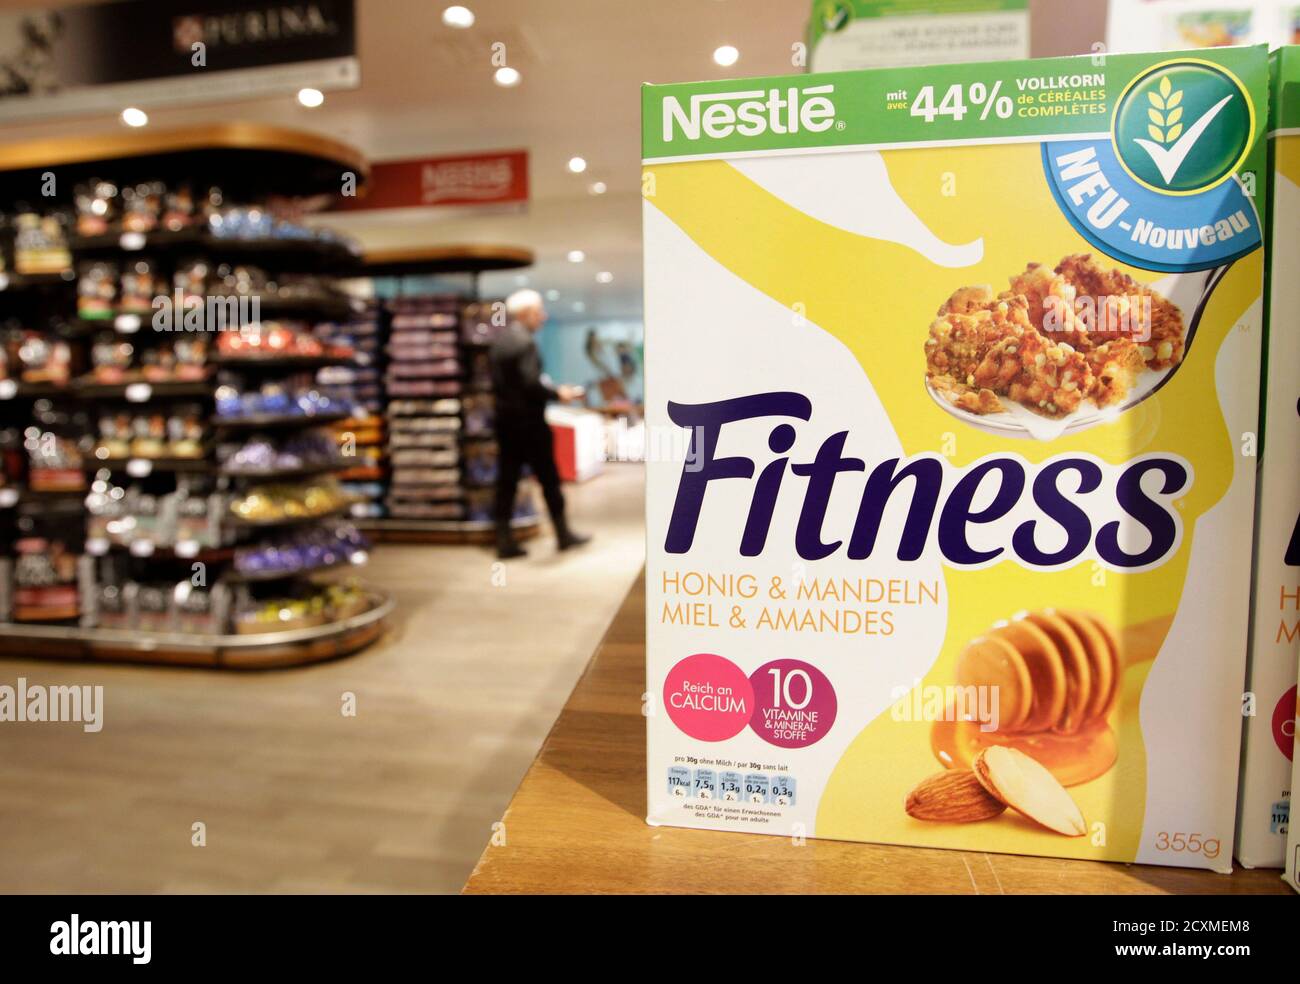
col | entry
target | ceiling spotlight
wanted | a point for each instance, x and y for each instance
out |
(311, 98)
(458, 16)
(521, 280)
(552, 294)
(576, 256)
(579, 306)
(577, 165)
(134, 117)
(726, 56)
(597, 188)
(506, 76)
(604, 277)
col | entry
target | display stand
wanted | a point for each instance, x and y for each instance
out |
(469, 261)
(250, 164)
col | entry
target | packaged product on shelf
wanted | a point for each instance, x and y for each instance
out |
(260, 454)
(142, 206)
(194, 610)
(483, 321)
(187, 433)
(55, 457)
(139, 286)
(1267, 790)
(42, 359)
(190, 281)
(153, 609)
(481, 462)
(111, 608)
(196, 520)
(954, 372)
(179, 208)
(110, 358)
(273, 339)
(40, 244)
(480, 415)
(97, 206)
(274, 503)
(308, 607)
(191, 357)
(303, 551)
(149, 436)
(45, 581)
(272, 399)
(96, 291)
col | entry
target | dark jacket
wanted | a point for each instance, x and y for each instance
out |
(521, 390)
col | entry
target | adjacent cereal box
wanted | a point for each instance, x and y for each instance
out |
(1267, 750)
(1269, 763)
(953, 396)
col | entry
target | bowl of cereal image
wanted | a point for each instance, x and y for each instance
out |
(1062, 349)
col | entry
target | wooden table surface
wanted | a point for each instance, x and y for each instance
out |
(577, 824)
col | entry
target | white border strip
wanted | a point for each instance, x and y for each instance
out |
(900, 145)
(1290, 131)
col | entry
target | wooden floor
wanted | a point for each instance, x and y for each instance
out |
(451, 708)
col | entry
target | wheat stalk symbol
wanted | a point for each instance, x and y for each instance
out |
(1165, 111)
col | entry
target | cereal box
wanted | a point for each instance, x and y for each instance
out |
(1269, 770)
(1264, 797)
(952, 404)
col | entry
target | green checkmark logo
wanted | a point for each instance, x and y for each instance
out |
(1183, 127)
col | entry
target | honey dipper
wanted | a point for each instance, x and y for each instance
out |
(1058, 675)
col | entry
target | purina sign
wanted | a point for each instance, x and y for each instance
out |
(158, 53)
(270, 24)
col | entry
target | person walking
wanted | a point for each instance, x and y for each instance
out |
(523, 435)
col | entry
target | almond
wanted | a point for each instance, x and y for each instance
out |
(952, 797)
(1027, 787)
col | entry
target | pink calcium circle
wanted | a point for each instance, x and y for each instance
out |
(708, 697)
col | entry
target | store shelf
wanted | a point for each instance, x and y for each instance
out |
(277, 421)
(418, 261)
(207, 555)
(281, 363)
(314, 307)
(16, 282)
(297, 255)
(251, 524)
(252, 165)
(140, 390)
(321, 306)
(288, 474)
(251, 158)
(263, 577)
(267, 650)
(143, 467)
(11, 389)
(443, 531)
(577, 824)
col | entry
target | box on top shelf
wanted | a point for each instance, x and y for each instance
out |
(952, 404)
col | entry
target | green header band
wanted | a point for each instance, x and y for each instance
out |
(1285, 106)
(977, 101)
(829, 16)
